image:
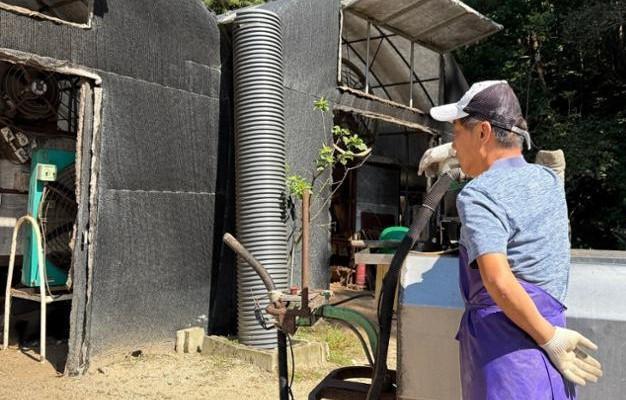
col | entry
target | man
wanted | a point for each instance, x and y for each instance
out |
(514, 257)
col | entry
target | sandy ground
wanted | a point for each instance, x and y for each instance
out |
(158, 373)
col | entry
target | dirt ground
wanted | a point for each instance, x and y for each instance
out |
(157, 373)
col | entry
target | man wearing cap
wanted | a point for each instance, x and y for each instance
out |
(514, 257)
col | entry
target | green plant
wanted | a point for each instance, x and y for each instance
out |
(343, 147)
(344, 347)
(297, 185)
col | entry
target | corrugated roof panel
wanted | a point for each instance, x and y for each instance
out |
(429, 14)
(457, 33)
(441, 25)
(378, 9)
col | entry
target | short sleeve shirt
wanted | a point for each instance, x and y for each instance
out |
(519, 209)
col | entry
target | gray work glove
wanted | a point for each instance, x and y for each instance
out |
(568, 351)
(437, 160)
(555, 160)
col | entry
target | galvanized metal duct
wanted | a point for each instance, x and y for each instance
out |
(260, 163)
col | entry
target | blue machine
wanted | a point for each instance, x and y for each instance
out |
(46, 165)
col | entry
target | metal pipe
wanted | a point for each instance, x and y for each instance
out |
(441, 98)
(356, 53)
(260, 164)
(367, 58)
(402, 83)
(411, 68)
(363, 40)
(283, 371)
(417, 78)
(306, 199)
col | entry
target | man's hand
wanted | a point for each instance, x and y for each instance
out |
(568, 352)
(434, 157)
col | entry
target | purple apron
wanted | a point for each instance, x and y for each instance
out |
(499, 360)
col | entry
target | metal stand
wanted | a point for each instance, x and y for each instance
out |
(283, 371)
(29, 293)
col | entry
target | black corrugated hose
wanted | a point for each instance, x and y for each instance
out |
(390, 282)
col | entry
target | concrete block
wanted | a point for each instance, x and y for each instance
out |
(306, 354)
(180, 341)
(189, 340)
(194, 339)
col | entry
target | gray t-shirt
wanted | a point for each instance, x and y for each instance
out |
(519, 209)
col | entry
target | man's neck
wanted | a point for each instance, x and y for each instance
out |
(501, 154)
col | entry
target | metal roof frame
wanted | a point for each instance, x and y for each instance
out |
(385, 37)
(453, 12)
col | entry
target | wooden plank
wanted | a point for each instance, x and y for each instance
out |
(365, 257)
(374, 244)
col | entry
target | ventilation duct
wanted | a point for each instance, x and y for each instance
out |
(260, 163)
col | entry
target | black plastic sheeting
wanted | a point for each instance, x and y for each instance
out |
(161, 41)
(311, 44)
(164, 118)
(156, 138)
(152, 268)
(455, 86)
(223, 306)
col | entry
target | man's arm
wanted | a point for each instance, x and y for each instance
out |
(511, 297)
(566, 348)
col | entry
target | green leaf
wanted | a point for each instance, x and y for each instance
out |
(296, 185)
(321, 104)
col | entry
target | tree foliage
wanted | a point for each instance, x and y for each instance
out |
(567, 62)
(221, 6)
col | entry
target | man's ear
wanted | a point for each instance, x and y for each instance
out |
(485, 131)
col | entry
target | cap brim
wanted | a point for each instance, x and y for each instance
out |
(447, 112)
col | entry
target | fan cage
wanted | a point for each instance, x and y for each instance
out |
(57, 216)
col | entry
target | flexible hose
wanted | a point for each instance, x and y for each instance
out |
(253, 262)
(390, 281)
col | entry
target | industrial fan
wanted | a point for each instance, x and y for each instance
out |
(29, 94)
(52, 202)
(38, 102)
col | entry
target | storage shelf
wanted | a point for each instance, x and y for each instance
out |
(32, 294)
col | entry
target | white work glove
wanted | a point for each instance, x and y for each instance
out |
(435, 158)
(568, 352)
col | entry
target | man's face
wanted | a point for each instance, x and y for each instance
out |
(468, 147)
